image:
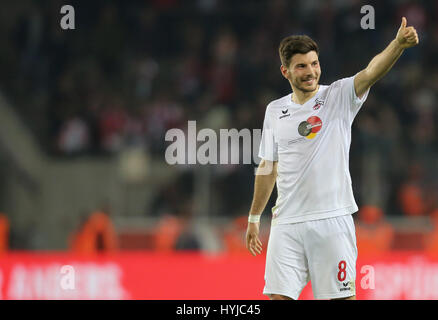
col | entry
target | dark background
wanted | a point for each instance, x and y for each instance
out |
(131, 70)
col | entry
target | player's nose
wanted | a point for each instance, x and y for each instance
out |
(310, 72)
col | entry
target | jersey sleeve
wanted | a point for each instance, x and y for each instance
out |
(268, 146)
(351, 102)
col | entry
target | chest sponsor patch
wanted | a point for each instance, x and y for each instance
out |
(310, 127)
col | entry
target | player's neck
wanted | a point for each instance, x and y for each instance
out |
(301, 97)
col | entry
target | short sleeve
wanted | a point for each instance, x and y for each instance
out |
(268, 145)
(349, 98)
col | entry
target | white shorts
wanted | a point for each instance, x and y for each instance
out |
(322, 251)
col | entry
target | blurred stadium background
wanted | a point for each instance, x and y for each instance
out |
(83, 116)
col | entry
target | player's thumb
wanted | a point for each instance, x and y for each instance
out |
(403, 23)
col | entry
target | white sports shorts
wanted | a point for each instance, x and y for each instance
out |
(322, 251)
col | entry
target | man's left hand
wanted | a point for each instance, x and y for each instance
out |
(407, 37)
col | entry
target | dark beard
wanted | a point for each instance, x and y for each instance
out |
(307, 90)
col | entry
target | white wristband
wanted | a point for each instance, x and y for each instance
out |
(254, 218)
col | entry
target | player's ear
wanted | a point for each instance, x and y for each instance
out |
(284, 71)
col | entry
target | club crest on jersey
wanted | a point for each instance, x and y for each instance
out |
(310, 127)
(318, 104)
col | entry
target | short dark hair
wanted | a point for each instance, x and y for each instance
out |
(295, 44)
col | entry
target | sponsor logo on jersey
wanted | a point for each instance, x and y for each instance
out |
(310, 127)
(285, 113)
(296, 140)
(347, 286)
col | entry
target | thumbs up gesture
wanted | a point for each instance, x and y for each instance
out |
(406, 36)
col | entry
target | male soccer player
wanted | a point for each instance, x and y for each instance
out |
(305, 150)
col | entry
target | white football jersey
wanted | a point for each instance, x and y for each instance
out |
(311, 143)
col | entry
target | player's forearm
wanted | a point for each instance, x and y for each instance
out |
(263, 186)
(384, 61)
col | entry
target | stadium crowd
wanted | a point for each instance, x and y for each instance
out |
(130, 71)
